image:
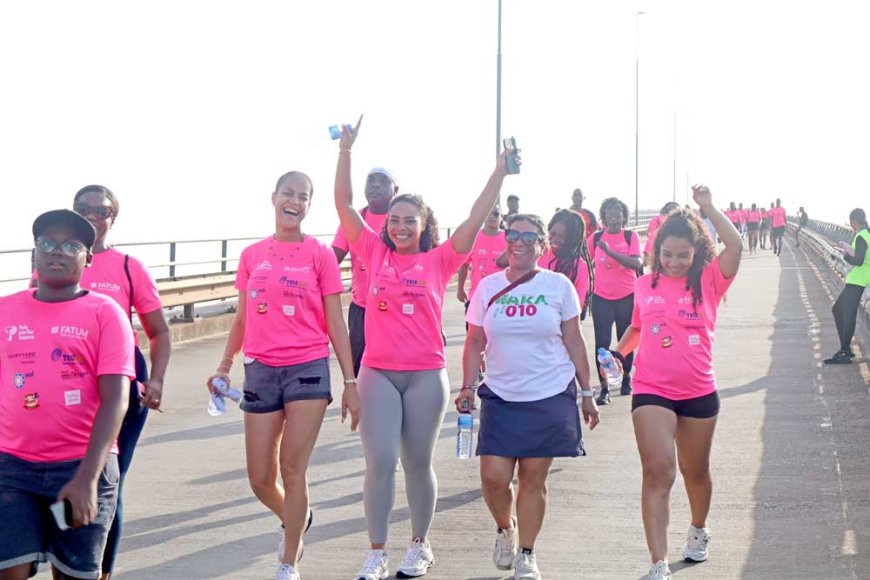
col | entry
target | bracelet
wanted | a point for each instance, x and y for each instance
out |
(587, 393)
(340, 151)
(349, 381)
(471, 388)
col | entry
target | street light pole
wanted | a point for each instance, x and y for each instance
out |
(498, 89)
(675, 155)
(636, 113)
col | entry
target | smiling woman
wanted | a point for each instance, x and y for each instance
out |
(290, 283)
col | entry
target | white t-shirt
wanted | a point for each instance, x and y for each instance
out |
(526, 359)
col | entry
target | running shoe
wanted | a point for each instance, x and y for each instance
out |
(286, 572)
(626, 386)
(659, 571)
(526, 567)
(417, 561)
(376, 566)
(603, 397)
(282, 539)
(697, 545)
(840, 357)
(505, 549)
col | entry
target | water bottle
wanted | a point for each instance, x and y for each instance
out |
(335, 131)
(464, 430)
(217, 405)
(611, 371)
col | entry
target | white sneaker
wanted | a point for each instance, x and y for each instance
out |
(660, 571)
(526, 567)
(505, 549)
(376, 566)
(417, 561)
(697, 545)
(286, 572)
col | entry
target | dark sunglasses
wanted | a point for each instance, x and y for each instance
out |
(528, 238)
(71, 249)
(100, 211)
(495, 213)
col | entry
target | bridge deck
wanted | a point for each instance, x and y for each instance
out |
(791, 469)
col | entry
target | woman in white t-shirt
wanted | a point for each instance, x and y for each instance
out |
(535, 357)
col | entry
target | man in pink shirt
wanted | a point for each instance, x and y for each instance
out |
(66, 359)
(380, 189)
(777, 225)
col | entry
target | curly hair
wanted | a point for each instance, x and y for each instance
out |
(429, 237)
(102, 190)
(614, 202)
(687, 225)
(567, 261)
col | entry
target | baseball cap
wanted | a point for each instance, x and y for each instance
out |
(385, 171)
(81, 227)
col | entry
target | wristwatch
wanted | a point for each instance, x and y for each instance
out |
(587, 393)
(472, 388)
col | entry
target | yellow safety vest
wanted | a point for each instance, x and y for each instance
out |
(860, 275)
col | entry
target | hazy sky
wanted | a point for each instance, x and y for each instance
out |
(189, 110)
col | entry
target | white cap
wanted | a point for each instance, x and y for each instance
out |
(385, 171)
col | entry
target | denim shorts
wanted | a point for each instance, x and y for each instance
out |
(30, 535)
(267, 389)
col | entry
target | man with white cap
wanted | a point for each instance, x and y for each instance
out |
(381, 187)
(67, 360)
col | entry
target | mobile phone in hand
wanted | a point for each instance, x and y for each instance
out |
(62, 512)
(513, 166)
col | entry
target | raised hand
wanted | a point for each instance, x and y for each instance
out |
(349, 135)
(702, 196)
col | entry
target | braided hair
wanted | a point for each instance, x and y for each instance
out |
(567, 261)
(687, 225)
(429, 237)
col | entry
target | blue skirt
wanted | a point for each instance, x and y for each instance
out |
(546, 428)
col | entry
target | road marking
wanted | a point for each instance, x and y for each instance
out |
(850, 543)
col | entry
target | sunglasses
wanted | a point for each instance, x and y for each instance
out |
(71, 249)
(100, 211)
(528, 238)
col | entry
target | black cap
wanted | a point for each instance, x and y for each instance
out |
(82, 228)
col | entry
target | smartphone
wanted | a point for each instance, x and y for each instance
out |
(513, 165)
(62, 512)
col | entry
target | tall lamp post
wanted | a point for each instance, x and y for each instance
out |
(636, 112)
(498, 89)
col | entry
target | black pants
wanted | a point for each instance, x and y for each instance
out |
(356, 327)
(604, 314)
(845, 312)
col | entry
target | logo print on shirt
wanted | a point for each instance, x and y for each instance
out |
(70, 332)
(667, 342)
(72, 375)
(655, 329)
(382, 305)
(22, 331)
(72, 397)
(254, 293)
(655, 300)
(264, 265)
(31, 401)
(21, 378)
(694, 340)
(66, 358)
(105, 286)
(262, 307)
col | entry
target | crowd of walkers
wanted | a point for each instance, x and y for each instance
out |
(76, 390)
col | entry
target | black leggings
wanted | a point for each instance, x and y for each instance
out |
(845, 312)
(604, 314)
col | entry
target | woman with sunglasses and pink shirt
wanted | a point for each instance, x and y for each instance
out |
(675, 401)
(529, 409)
(289, 311)
(403, 381)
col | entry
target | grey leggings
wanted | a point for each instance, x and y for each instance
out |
(400, 409)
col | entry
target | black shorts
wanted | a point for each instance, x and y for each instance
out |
(697, 408)
(751, 226)
(778, 231)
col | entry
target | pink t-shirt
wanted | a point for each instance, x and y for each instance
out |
(675, 356)
(106, 276)
(481, 261)
(613, 281)
(753, 216)
(581, 282)
(284, 284)
(741, 215)
(359, 278)
(652, 228)
(403, 306)
(51, 354)
(777, 217)
(732, 216)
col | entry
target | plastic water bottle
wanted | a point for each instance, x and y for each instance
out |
(335, 131)
(611, 371)
(464, 430)
(217, 404)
